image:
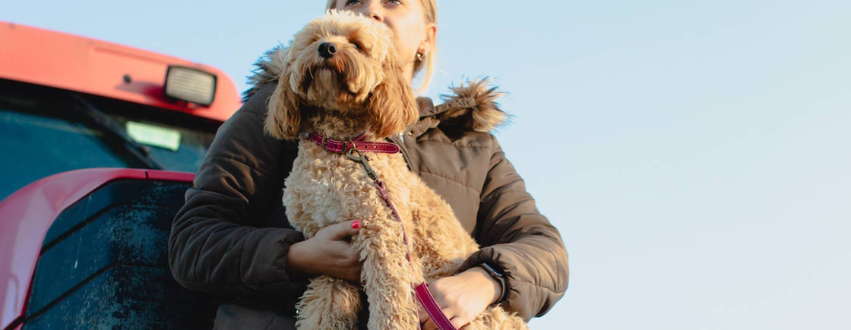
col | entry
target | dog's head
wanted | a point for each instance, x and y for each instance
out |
(341, 62)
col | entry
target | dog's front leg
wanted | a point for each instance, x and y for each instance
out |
(387, 276)
(328, 304)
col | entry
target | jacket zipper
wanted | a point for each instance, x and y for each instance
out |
(404, 150)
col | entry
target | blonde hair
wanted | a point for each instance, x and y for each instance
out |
(430, 11)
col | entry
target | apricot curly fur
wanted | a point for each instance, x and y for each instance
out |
(361, 89)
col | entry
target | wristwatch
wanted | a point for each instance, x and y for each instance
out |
(499, 277)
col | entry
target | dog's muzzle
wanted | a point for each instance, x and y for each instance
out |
(327, 50)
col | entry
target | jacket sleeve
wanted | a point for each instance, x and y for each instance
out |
(519, 241)
(220, 242)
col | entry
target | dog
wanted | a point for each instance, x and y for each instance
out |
(340, 84)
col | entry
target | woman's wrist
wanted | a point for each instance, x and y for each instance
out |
(296, 261)
(499, 277)
(492, 286)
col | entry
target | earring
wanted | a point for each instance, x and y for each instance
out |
(420, 56)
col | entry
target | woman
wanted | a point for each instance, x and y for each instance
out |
(232, 239)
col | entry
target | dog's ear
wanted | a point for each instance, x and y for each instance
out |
(392, 105)
(283, 119)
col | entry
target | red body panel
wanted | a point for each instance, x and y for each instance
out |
(27, 215)
(96, 67)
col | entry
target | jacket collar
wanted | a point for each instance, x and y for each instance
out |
(427, 107)
(428, 117)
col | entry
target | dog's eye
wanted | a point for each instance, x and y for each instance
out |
(357, 45)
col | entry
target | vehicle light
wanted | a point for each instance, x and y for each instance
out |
(190, 85)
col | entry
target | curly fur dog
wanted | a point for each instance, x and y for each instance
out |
(340, 78)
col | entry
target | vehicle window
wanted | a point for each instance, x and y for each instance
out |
(192, 149)
(46, 131)
(39, 140)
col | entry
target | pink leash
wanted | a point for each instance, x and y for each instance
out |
(431, 307)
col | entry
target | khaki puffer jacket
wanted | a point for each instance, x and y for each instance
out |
(231, 238)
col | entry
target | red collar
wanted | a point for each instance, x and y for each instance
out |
(337, 146)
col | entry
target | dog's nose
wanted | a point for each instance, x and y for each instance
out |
(327, 49)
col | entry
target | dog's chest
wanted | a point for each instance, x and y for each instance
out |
(326, 188)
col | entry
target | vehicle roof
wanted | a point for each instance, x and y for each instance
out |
(86, 65)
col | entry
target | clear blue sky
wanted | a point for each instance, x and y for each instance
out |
(701, 169)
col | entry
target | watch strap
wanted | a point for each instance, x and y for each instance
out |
(499, 277)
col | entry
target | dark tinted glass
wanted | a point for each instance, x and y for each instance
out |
(45, 131)
(38, 139)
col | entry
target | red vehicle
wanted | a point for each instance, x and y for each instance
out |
(98, 145)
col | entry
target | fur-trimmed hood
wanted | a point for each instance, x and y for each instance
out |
(472, 105)
(266, 70)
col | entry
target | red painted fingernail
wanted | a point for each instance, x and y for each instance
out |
(356, 224)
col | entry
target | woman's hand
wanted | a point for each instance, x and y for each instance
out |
(462, 297)
(329, 252)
